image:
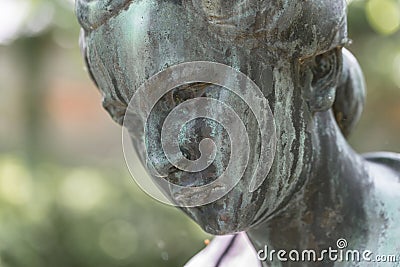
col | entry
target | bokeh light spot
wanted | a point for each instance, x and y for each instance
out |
(12, 15)
(15, 182)
(118, 239)
(82, 190)
(383, 15)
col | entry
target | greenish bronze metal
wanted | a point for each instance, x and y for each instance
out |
(319, 190)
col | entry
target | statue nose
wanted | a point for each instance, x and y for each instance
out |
(204, 150)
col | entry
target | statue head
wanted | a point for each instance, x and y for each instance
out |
(292, 50)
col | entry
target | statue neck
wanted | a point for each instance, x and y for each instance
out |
(330, 204)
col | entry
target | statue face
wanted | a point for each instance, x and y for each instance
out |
(289, 52)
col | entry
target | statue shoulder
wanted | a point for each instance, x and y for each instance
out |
(384, 203)
(388, 159)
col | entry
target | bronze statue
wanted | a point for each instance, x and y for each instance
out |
(318, 193)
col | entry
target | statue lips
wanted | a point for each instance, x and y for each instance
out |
(200, 196)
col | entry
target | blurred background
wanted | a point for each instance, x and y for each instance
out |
(66, 197)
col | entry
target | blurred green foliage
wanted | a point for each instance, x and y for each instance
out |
(374, 27)
(81, 216)
(62, 205)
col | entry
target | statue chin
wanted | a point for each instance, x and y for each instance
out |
(235, 212)
(218, 221)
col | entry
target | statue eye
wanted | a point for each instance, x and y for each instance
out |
(320, 77)
(323, 64)
(325, 67)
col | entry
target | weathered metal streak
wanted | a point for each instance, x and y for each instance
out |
(319, 189)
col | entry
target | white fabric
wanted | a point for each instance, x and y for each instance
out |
(240, 253)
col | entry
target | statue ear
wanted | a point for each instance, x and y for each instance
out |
(350, 94)
(321, 75)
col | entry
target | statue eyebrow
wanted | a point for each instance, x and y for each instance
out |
(94, 13)
(345, 43)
